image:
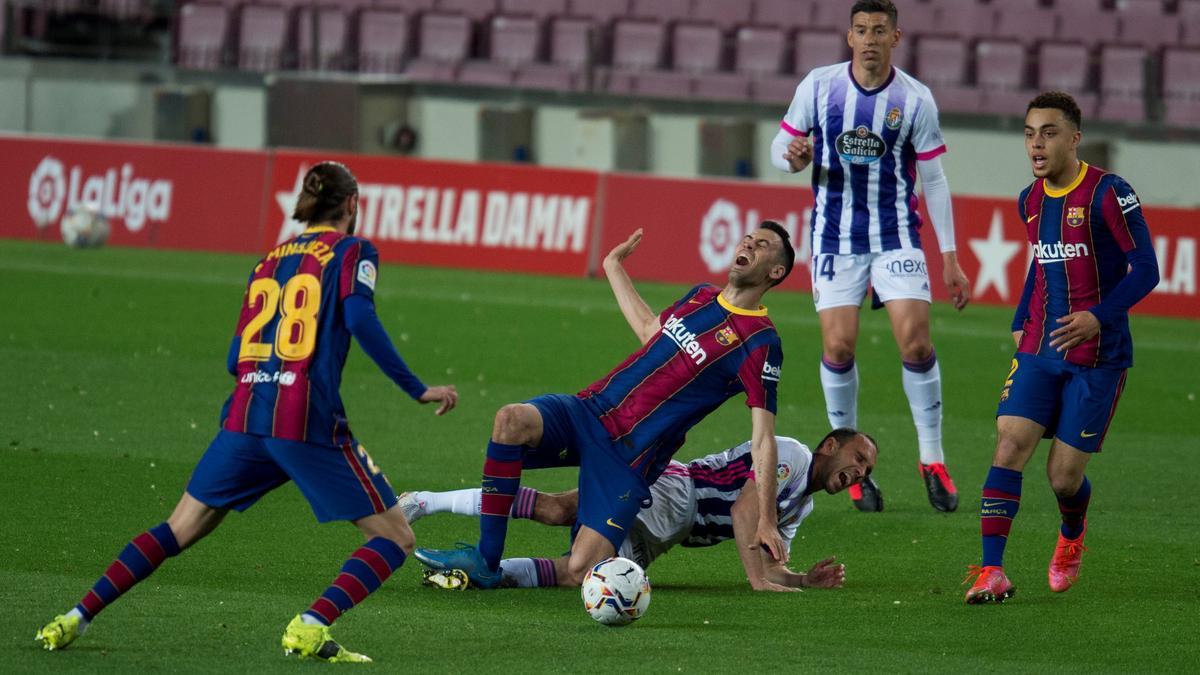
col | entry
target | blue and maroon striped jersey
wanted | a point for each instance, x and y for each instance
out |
(294, 338)
(706, 352)
(1086, 238)
(866, 144)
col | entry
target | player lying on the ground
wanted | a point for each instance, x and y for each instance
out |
(621, 432)
(1093, 260)
(285, 420)
(702, 503)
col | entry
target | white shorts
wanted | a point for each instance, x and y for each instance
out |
(841, 280)
(667, 522)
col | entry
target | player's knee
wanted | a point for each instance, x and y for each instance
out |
(916, 350)
(577, 568)
(512, 425)
(839, 350)
(1064, 485)
(1009, 453)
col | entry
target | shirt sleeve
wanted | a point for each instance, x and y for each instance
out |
(1022, 313)
(1125, 220)
(364, 325)
(359, 270)
(666, 313)
(760, 374)
(927, 138)
(800, 116)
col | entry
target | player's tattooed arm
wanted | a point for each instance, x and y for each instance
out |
(638, 314)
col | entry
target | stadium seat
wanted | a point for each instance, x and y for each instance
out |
(383, 39)
(1066, 67)
(1000, 68)
(570, 55)
(1122, 84)
(760, 54)
(663, 11)
(539, 9)
(1086, 21)
(831, 15)
(262, 30)
(444, 40)
(409, 7)
(785, 14)
(1189, 20)
(603, 12)
(1146, 23)
(1027, 25)
(966, 19)
(814, 49)
(514, 42)
(477, 11)
(941, 63)
(1181, 87)
(638, 48)
(724, 14)
(331, 33)
(918, 18)
(203, 30)
(696, 53)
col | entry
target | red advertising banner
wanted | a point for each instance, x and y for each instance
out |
(692, 227)
(483, 216)
(165, 196)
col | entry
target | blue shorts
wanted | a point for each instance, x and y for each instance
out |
(610, 492)
(1075, 403)
(339, 483)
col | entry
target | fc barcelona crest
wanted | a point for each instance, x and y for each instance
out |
(894, 119)
(1076, 215)
(726, 336)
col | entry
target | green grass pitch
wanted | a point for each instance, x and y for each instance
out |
(113, 376)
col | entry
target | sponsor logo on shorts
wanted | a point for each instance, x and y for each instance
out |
(907, 267)
(259, 377)
(860, 146)
(610, 523)
(1076, 215)
(1085, 434)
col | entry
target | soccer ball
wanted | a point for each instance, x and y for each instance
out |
(84, 227)
(616, 592)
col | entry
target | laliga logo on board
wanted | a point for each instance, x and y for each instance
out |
(722, 229)
(114, 194)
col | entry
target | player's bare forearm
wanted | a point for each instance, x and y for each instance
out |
(956, 280)
(765, 453)
(637, 313)
(744, 514)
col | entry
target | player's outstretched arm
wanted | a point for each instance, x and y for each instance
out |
(755, 561)
(365, 327)
(765, 451)
(638, 314)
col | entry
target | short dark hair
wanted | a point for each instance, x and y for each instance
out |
(873, 6)
(325, 189)
(844, 435)
(789, 253)
(1058, 100)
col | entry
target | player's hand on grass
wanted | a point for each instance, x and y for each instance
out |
(446, 395)
(956, 280)
(622, 251)
(799, 153)
(1075, 328)
(826, 574)
(770, 541)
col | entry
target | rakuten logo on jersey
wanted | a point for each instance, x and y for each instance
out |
(118, 193)
(725, 223)
(686, 339)
(1059, 252)
(434, 215)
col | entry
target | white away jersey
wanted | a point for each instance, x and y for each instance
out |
(718, 480)
(865, 148)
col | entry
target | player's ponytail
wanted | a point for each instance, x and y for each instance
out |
(323, 194)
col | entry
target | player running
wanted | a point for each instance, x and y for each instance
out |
(1093, 261)
(870, 129)
(622, 430)
(702, 503)
(285, 420)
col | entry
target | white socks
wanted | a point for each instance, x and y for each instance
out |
(840, 382)
(83, 622)
(462, 502)
(923, 385)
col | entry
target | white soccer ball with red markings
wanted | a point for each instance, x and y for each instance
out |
(616, 592)
(84, 227)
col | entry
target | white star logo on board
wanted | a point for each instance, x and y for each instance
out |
(994, 254)
(287, 202)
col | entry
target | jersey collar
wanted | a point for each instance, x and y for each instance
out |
(733, 309)
(1050, 192)
(871, 92)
